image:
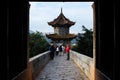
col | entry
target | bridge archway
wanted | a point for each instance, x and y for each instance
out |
(18, 15)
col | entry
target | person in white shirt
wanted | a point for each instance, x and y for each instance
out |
(63, 49)
(57, 50)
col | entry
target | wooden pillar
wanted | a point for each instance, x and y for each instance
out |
(105, 38)
(29, 66)
(94, 42)
(17, 44)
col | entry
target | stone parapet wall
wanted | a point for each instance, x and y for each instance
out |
(21, 76)
(100, 76)
(84, 62)
(37, 63)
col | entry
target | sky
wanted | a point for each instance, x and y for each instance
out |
(42, 12)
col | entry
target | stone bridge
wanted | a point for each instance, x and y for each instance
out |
(79, 67)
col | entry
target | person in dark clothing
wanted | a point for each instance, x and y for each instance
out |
(52, 51)
(60, 50)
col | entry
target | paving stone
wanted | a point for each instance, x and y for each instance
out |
(61, 69)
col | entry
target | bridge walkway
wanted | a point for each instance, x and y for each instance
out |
(61, 69)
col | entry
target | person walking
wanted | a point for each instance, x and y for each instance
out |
(63, 49)
(67, 49)
(52, 51)
(57, 50)
(60, 50)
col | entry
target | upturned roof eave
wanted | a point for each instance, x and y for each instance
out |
(58, 21)
(53, 36)
(62, 24)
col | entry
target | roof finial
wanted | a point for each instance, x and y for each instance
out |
(61, 9)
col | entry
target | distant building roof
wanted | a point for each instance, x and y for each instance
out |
(61, 20)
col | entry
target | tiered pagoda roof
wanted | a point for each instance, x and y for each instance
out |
(61, 20)
(61, 37)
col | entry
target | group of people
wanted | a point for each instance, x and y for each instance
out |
(59, 50)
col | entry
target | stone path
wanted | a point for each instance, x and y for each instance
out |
(61, 69)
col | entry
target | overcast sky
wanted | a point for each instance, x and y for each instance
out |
(43, 12)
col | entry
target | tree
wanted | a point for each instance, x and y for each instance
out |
(85, 42)
(37, 44)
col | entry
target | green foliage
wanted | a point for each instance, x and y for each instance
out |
(84, 42)
(37, 44)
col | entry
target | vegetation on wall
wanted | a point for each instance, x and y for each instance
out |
(84, 42)
(37, 43)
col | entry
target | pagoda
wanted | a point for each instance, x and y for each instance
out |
(61, 27)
